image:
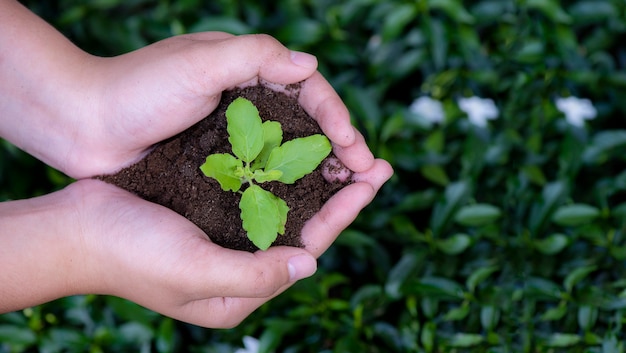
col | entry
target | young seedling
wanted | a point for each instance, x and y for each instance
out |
(260, 156)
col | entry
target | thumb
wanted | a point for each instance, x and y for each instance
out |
(247, 281)
(240, 274)
(240, 60)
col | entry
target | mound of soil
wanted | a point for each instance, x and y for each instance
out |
(170, 174)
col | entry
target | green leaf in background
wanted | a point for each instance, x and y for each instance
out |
(398, 275)
(575, 214)
(457, 313)
(551, 9)
(436, 174)
(397, 20)
(455, 194)
(19, 336)
(477, 215)
(603, 144)
(454, 9)
(223, 168)
(587, 317)
(576, 276)
(551, 195)
(259, 211)
(610, 344)
(298, 157)
(562, 340)
(552, 244)
(489, 317)
(465, 340)
(454, 244)
(244, 129)
(555, 313)
(436, 288)
(478, 276)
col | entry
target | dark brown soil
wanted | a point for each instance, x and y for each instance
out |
(170, 174)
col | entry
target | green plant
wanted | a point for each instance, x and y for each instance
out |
(259, 157)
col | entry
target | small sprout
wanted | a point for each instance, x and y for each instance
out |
(260, 156)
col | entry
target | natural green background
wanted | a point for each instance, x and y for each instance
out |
(504, 239)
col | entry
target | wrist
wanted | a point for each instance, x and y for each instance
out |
(42, 252)
(44, 93)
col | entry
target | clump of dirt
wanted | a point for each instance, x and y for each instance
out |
(170, 174)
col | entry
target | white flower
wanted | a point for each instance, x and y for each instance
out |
(479, 110)
(429, 109)
(250, 344)
(576, 110)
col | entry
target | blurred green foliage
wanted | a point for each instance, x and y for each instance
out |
(508, 238)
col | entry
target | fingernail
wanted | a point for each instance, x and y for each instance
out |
(301, 266)
(303, 59)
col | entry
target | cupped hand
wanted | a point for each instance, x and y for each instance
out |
(147, 253)
(143, 97)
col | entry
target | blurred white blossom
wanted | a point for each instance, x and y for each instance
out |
(576, 110)
(479, 110)
(250, 344)
(428, 109)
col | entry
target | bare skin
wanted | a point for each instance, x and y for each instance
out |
(87, 116)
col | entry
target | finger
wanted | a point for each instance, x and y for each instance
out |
(232, 273)
(319, 100)
(341, 210)
(205, 36)
(223, 312)
(242, 293)
(237, 60)
(357, 156)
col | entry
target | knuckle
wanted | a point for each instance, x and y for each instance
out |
(263, 42)
(265, 284)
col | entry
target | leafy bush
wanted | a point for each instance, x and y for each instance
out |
(500, 236)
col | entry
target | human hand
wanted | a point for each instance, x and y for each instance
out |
(141, 251)
(143, 97)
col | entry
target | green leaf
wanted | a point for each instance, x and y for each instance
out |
(272, 138)
(264, 216)
(574, 215)
(576, 276)
(245, 129)
(552, 194)
(562, 340)
(455, 244)
(555, 313)
(427, 336)
(435, 288)
(397, 19)
(457, 313)
(436, 174)
(222, 167)
(465, 340)
(11, 334)
(489, 317)
(298, 157)
(552, 244)
(261, 176)
(454, 9)
(587, 317)
(477, 215)
(405, 268)
(479, 275)
(456, 194)
(551, 9)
